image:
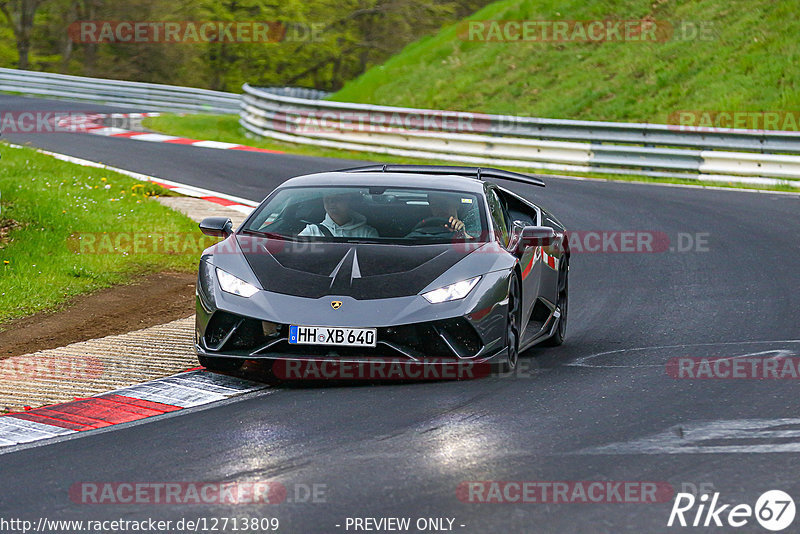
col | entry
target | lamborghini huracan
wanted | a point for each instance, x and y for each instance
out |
(416, 263)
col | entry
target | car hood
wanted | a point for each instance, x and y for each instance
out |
(314, 269)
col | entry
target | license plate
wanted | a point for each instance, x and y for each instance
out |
(323, 335)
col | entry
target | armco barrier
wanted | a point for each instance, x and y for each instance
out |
(660, 150)
(285, 113)
(145, 96)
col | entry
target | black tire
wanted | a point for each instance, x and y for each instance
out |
(222, 365)
(513, 322)
(562, 304)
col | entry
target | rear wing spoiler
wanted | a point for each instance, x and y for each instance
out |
(470, 172)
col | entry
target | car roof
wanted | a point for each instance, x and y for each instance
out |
(387, 179)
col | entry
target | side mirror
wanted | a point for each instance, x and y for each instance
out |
(535, 236)
(216, 226)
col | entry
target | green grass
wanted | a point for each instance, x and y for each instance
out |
(750, 63)
(226, 128)
(45, 201)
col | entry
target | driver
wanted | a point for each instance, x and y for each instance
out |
(340, 219)
(445, 206)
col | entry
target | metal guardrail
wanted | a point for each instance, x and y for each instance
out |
(302, 116)
(659, 150)
(145, 96)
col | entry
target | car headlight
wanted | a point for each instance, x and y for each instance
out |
(234, 285)
(456, 291)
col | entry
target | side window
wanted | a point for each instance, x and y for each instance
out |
(518, 211)
(499, 216)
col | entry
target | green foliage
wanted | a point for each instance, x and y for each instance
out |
(749, 63)
(325, 44)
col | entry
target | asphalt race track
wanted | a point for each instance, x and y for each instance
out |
(600, 408)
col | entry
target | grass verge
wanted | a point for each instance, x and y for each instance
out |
(226, 128)
(45, 202)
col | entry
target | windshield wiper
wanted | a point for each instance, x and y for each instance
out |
(269, 235)
(364, 240)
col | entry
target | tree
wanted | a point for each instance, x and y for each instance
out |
(315, 43)
(87, 10)
(20, 15)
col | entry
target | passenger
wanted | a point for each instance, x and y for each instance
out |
(340, 220)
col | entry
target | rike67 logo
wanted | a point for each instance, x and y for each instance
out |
(774, 510)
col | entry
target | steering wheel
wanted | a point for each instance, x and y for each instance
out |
(433, 225)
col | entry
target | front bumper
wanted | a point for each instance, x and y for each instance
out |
(439, 342)
(408, 328)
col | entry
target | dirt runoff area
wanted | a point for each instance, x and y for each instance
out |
(149, 301)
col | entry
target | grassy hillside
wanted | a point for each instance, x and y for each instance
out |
(750, 63)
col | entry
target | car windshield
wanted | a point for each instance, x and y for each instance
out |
(371, 214)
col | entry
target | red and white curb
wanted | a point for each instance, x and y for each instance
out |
(93, 124)
(134, 403)
(239, 204)
(228, 201)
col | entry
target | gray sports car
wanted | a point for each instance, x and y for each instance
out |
(413, 263)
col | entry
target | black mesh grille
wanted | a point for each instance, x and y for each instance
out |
(249, 334)
(218, 327)
(423, 339)
(420, 340)
(462, 335)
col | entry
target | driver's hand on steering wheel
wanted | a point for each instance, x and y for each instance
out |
(454, 224)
